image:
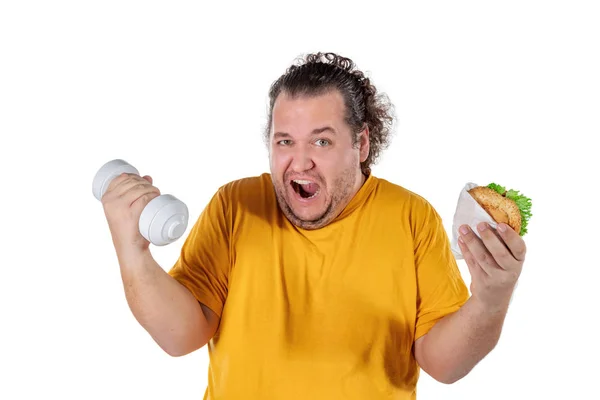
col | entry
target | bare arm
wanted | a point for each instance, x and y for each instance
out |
(451, 349)
(166, 309)
(460, 340)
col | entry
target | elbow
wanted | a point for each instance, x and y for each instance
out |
(449, 379)
(448, 375)
(176, 351)
(180, 348)
(179, 351)
(186, 338)
(175, 354)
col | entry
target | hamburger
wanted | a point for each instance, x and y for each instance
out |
(504, 206)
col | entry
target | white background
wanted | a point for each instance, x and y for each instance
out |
(484, 91)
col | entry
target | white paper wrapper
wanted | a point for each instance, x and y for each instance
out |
(468, 212)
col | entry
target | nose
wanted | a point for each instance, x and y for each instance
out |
(302, 160)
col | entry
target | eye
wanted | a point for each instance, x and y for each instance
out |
(323, 142)
(284, 142)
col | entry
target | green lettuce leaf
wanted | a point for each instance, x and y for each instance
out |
(522, 201)
(497, 188)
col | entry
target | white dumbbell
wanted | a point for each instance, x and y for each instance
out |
(163, 220)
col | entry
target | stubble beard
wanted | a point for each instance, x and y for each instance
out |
(340, 192)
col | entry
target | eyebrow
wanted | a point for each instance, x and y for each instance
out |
(316, 131)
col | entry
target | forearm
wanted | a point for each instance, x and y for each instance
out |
(459, 341)
(164, 307)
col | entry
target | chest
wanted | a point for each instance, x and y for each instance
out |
(333, 274)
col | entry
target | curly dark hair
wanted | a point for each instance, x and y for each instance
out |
(318, 73)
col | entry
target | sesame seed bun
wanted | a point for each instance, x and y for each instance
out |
(500, 208)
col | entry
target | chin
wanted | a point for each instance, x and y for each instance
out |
(312, 213)
(313, 216)
(308, 224)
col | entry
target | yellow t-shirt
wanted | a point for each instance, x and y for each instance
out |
(324, 314)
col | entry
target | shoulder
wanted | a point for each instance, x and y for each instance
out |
(420, 219)
(400, 196)
(253, 194)
(246, 187)
(416, 213)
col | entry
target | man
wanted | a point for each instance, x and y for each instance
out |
(318, 280)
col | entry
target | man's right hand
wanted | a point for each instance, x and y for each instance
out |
(123, 202)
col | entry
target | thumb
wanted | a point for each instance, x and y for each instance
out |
(148, 178)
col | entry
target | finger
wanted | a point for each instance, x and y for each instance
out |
(148, 178)
(142, 201)
(138, 191)
(122, 183)
(474, 268)
(117, 182)
(478, 250)
(496, 247)
(514, 242)
(124, 186)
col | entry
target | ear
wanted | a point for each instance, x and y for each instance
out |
(364, 144)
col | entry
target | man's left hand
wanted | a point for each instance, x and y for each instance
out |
(495, 262)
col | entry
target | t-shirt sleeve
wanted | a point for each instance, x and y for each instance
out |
(204, 261)
(440, 287)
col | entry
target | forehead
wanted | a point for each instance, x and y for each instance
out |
(308, 110)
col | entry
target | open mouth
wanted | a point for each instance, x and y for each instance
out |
(306, 189)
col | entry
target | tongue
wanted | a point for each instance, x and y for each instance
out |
(310, 188)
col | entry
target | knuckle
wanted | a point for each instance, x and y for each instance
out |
(118, 181)
(505, 258)
(504, 280)
(509, 278)
(152, 195)
(144, 199)
(488, 284)
(137, 189)
(121, 178)
(520, 254)
(151, 188)
(470, 260)
(108, 199)
(485, 258)
(523, 251)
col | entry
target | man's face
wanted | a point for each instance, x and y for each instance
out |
(314, 166)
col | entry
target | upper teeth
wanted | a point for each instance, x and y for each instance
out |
(302, 182)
